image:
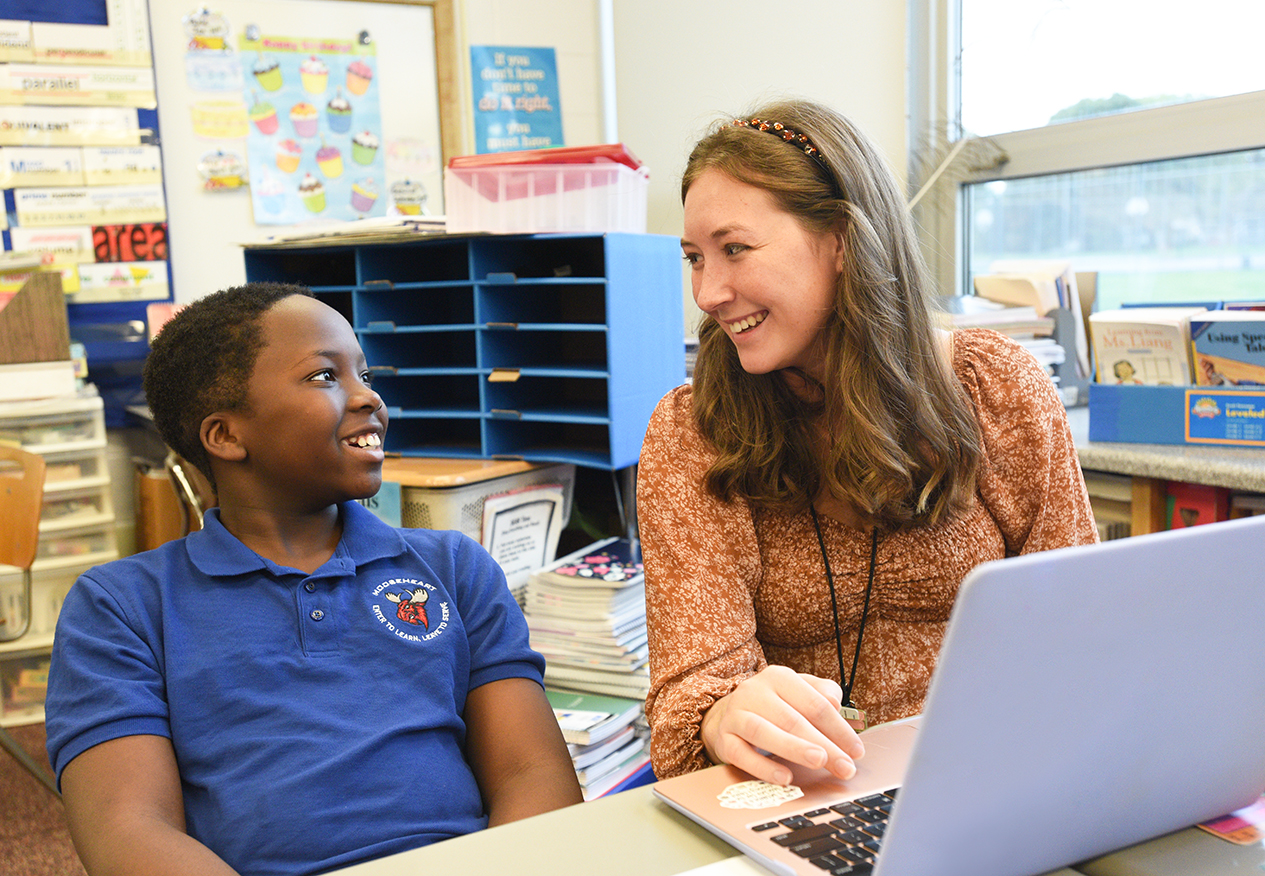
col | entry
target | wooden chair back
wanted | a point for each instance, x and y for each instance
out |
(21, 501)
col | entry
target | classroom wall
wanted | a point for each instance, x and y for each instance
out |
(677, 67)
(681, 65)
(206, 233)
(571, 28)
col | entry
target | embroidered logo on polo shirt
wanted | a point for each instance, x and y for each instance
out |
(414, 619)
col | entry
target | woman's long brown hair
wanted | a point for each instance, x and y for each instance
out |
(891, 433)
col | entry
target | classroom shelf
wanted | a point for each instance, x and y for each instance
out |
(542, 347)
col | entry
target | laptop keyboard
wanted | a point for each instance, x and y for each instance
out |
(841, 840)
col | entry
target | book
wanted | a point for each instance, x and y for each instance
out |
(634, 684)
(975, 311)
(586, 614)
(617, 777)
(603, 767)
(587, 718)
(1045, 285)
(1228, 347)
(583, 756)
(612, 563)
(1145, 346)
(1246, 505)
(1196, 504)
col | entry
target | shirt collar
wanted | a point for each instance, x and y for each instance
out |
(217, 552)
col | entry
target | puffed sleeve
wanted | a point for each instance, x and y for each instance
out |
(702, 569)
(1030, 478)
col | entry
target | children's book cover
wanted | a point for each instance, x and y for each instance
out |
(1228, 348)
(612, 563)
(1142, 346)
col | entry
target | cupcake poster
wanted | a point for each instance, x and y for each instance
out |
(315, 129)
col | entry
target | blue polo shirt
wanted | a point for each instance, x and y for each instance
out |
(316, 719)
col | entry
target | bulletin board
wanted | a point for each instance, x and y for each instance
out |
(228, 118)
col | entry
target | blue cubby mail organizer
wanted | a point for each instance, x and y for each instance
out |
(544, 347)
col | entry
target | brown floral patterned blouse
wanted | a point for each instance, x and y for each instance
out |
(730, 590)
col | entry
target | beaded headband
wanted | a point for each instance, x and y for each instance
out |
(800, 141)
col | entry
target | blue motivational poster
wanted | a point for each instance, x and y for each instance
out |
(515, 99)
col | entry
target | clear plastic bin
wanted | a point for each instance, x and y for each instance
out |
(48, 591)
(54, 425)
(531, 198)
(450, 493)
(23, 688)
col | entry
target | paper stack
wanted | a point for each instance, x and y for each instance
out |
(587, 615)
(606, 737)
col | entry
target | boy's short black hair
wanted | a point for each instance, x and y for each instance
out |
(202, 359)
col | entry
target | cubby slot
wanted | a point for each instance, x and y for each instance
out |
(535, 441)
(407, 349)
(431, 394)
(316, 268)
(415, 262)
(410, 435)
(557, 353)
(577, 399)
(415, 305)
(555, 344)
(540, 302)
(536, 257)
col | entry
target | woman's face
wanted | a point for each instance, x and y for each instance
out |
(754, 269)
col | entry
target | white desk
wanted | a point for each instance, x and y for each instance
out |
(626, 834)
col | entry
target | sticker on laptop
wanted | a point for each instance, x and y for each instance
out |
(757, 795)
(1243, 827)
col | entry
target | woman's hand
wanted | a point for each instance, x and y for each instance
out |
(792, 715)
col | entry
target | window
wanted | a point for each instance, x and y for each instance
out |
(1160, 191)
(1030, 63)
(1183, 230)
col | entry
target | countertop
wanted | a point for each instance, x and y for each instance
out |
(1240, 468)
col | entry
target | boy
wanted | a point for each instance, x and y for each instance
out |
(297, 686)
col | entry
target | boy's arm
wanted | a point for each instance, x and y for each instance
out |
(516, 750)
(126, 813)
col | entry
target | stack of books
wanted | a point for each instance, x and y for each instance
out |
(606, 737)
(1222, 344)
(1046, 286)
(586, 614)
(1021, 323)
(1143, 346)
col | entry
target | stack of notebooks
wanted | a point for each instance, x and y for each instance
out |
(587, 615)
(606, 737)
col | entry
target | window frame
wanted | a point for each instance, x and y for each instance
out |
(1216, 125)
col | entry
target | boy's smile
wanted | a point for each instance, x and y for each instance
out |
(314, 428)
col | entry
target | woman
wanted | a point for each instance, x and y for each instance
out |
(810, 506)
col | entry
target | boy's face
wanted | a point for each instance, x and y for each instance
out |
(313, 432)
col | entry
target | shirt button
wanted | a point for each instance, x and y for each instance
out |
(309, 587)
(317, 614)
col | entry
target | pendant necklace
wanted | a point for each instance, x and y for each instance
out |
(854, 716)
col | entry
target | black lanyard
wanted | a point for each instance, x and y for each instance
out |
(849, 679)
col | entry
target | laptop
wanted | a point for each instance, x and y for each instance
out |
(1085, 699)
